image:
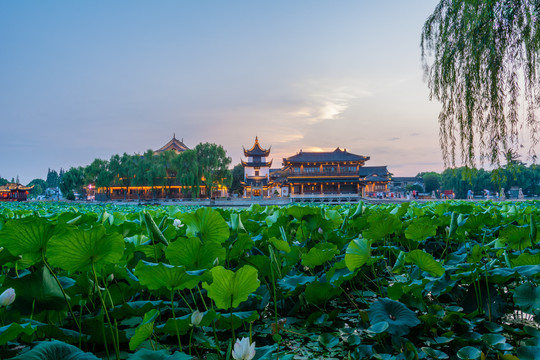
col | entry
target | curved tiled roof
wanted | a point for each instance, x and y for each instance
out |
(336, 155)
(257, 150)
(174, 144)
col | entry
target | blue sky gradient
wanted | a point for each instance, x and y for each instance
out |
(82, 80)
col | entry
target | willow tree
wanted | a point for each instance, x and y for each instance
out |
(480, 59)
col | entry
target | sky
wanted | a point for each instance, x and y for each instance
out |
(81, 80)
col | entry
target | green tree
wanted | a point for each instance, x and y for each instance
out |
(3, 181)
(187, 172)
(213, 166)
(99, 174)
(52, 178)
(72, 180)
(432, 181)
(237, 178)
(477, 57)
(166, 160)
(39, 186)
(122, 171)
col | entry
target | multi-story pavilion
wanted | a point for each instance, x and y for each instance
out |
(333, 172)
(257, 181)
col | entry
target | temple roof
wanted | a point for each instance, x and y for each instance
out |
(257, 150)
(256, 164)
(175, 145)
(373, 170)
(13, 186)
(329, 156)
(376, 178)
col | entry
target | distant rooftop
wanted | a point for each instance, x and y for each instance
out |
(175, 145)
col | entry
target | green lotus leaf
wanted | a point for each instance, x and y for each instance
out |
(240, 246)
(183, 323)
(469, 353)
(493, 339)
(397, 315)
(280, 245)
(425, 262)
(229, 288)
(144, 330)
(333, 216)
(236, 223)
(12, 331)
(528, 352)
(27, 236)
(172, 277)
(357, 254)
(318, 293)
(381, 224)
(328, 340)
(192, 254)
(435, 354)
(421, 229)
(527, 259)
(319, 254)
(146, 354)
(54, 350)
(75, 249)
(35, 292)
(527, 297)
(206, 224)
(379, 328)
(299, 212)
(514, 237)
(292, 282)
(238, 318)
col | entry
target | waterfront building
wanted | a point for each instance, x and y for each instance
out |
(14, 192)
(174, 144)
(257, 182)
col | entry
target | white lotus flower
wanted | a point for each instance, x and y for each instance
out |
(177, 223)
(243, 350)
(7, 297)
(196, 318)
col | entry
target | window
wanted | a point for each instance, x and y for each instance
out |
(256, 172)
(296, 170)
(310, 170)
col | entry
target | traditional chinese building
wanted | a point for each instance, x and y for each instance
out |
(257, 182)
(174, 144)
(333, 173)
(14, 192)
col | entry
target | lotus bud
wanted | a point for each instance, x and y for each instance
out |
(216, 262)
(110, 278)
(243, 350)
(196, 318)
(320, 231)
(7, 297)
(177, 223)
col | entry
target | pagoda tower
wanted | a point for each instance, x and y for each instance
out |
(257, 181)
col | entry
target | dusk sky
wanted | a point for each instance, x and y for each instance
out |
(81, 80)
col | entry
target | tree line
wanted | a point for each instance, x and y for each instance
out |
(205, 166)
(462, 179)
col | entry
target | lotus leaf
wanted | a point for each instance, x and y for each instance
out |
(421, 229)
(75, 249)
(192, 254)
(172, 277)
(425, 262)
(357, 254)
(146, 354)
(229, 288)
(144, 330)
(54, 350)
(527, 296)
(397, 315)
(469, 353)
(27, 236)
(319, 254)
(207, 224)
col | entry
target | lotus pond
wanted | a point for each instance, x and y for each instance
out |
(447, 280)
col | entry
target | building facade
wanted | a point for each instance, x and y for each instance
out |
(257, 182)
(14, 192)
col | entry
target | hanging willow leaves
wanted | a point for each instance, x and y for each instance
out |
(476, 56)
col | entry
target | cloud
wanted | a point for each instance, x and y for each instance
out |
(323, 100)
(393, 139)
